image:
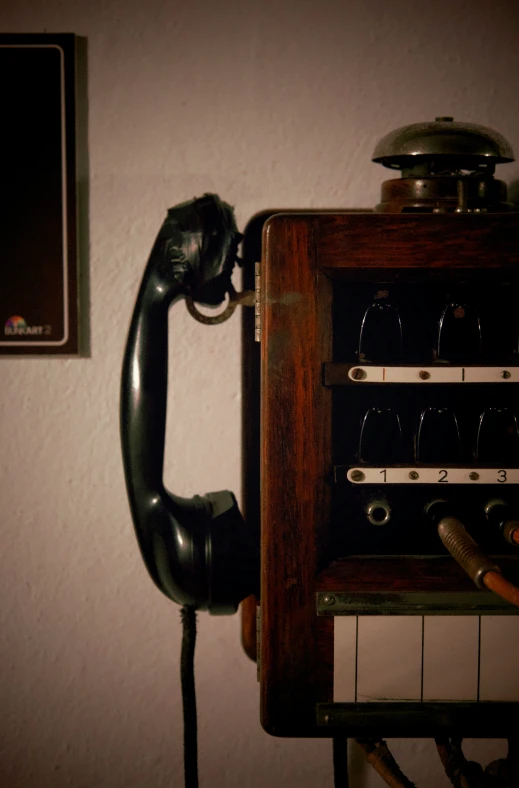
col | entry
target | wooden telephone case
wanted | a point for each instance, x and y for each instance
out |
(313, 265)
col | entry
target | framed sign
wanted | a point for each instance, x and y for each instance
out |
(38, 254)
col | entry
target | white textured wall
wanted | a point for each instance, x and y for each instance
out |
(266, 103)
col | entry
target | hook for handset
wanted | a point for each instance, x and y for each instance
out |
(245, 298)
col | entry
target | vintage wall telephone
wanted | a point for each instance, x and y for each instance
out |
(389, 443)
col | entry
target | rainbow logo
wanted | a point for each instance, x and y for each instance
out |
(15, 322)
(16, 326)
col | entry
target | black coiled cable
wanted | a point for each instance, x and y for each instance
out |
(340, 762)
(187, 678)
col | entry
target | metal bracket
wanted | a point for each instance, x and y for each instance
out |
(257, 302)
(418, 719)
(246, 298)
(464, 603)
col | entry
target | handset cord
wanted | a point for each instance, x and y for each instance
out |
(187, 679)
(340, 762)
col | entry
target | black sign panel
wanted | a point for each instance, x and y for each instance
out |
(38, 258)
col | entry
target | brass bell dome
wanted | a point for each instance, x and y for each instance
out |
(442, 137)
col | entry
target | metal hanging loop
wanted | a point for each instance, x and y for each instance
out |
(245, 298)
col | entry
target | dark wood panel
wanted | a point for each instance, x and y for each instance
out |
(250, 420)
(248, 627)
(295, 455)
(402, 573)
(324, 645)
(360, 242)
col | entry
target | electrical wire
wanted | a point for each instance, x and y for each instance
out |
(187, 679)
(468, 554)
(443, 747)
(461, 772)
(379, 756)
(509, 530)
(499, 585)
(340, 762)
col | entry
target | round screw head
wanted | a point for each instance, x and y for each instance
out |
(358, 373)
(506, 374)
(424, 375)
(414, 475)
(473, 476)
(328, 599)
(357, 476)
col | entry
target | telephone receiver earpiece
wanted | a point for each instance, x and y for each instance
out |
(197, 550)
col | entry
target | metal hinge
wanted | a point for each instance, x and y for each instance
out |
(258, 641)
(257, 302)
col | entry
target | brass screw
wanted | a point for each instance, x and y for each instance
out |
(424, 375)
(473, 476)
(414, 475)
(357, 476)
(358, 374)
(328, 599)
(506, 374)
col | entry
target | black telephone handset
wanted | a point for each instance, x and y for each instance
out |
(197, 550)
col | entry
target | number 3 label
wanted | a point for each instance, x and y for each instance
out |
(501, 477)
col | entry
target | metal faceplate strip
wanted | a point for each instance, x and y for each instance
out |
(428, 375)
(422, 475)
(331, 603)
(413, 719)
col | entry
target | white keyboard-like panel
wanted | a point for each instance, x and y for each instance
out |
(450, 662)
(499, 676)
(429, 658)
(388, 658)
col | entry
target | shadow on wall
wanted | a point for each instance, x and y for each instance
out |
(513, 193)
(83, 194)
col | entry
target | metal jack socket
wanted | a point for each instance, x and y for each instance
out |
(499, 514)
(378, 512)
